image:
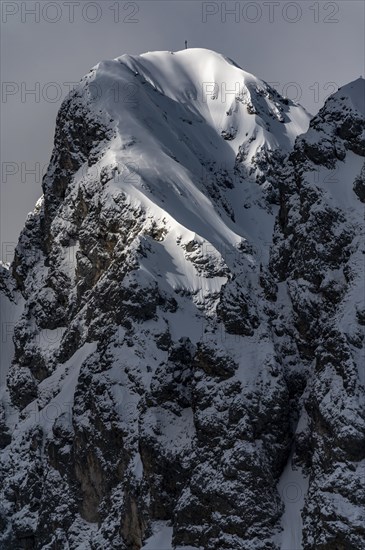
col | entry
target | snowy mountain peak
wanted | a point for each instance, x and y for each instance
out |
(353, 92)
(184, 325)
(213, 95)
(192, 127)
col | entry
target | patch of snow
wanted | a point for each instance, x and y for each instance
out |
(292, 486)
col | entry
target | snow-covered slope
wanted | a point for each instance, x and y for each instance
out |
(162, 361)
(214, 88)
(168, 113)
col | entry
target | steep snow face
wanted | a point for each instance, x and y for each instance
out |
(201, 97)
(179, 107)
(168, 352)
(234, 103)
(179, 117)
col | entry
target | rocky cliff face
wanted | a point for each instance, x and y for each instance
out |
(186, 318)
(318, 251)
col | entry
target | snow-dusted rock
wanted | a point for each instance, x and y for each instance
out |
(186, 316)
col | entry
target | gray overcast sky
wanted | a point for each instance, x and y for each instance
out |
(318, 46)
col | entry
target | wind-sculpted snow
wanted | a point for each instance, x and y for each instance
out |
(185, 308)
